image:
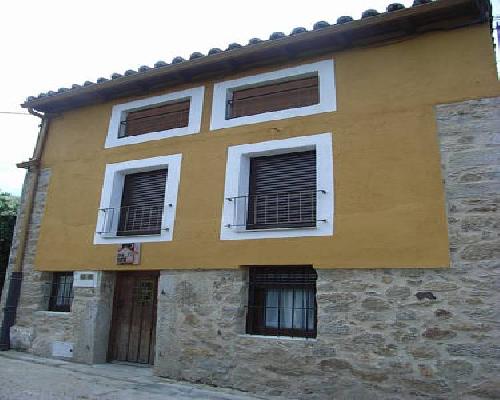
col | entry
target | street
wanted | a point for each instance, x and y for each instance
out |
(24, 376)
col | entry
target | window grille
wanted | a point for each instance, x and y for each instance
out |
(275, 96)
(61, 294)
(282, 301)
(156, 119)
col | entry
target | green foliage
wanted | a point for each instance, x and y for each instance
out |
(8, 204)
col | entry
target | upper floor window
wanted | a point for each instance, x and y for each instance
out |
(290, 92)
(138, 200)
(274, 96)
(61, 293)
(282, 191)
(279, 188)
(154, 118)
(141, 208)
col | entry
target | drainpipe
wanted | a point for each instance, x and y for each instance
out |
(13, 294)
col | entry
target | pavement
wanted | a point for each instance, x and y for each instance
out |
(24, 376)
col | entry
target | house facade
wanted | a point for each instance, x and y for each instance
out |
(312, 215)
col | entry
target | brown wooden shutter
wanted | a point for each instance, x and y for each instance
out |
(142, 203)
(282, 191)
(156, 119)
(277, 96)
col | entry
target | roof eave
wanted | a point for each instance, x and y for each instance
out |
(443, 14)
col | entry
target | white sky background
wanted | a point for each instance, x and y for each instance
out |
(50, 44)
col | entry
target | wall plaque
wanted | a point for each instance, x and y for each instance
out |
(128, 253)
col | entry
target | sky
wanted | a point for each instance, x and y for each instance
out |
(51, 44)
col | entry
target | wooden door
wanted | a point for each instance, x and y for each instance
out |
(133, 328)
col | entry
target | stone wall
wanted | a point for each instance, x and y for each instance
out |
(36, 285)
(85, 328)
(382, 333)
(92, 310)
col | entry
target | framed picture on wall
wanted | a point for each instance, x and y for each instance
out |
(128, 253)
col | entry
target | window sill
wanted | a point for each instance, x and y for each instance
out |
(231, 233)
(53, 313)
(243, 230)
(290, 338)
(117, 239)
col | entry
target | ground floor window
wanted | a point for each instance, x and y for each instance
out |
(61, 295)
(282, 301)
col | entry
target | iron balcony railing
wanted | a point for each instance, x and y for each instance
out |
(131, 220)
(275, 210)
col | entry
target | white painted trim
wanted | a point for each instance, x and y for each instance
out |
(292, 338)
(44, 313)
(327, 95)
(119, 112)
(112, 192)
(236, 184)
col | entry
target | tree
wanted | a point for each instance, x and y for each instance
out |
(8, 211)
(8, 204)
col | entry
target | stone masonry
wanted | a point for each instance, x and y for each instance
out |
(35, 285)
(382, 333)
(36, 330)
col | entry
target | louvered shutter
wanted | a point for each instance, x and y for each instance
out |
(142, 203)
(282, 191)
(276, 96)
(156, 119)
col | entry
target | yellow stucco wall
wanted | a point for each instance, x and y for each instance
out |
(389, 198)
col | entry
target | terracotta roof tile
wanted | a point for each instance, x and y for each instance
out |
(196, 55)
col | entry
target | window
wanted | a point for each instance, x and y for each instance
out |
(155, 118)
(290, 92)
(138, 200)
(141, 208)
(274, 96)
(279, 188)
(282, 301)
(61, 295)
(282, 191)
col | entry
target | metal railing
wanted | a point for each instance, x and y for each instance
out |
(61, 292)
(275, 210)
(131, 220)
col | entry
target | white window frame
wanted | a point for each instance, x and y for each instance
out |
(237, 180)
(111, 195)
(119, 113)
(327, 94)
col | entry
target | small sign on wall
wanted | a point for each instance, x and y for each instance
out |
(88, 279)
(62, 349)
(128, 253)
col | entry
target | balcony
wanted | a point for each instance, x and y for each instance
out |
(131, 220)
(277, 210)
